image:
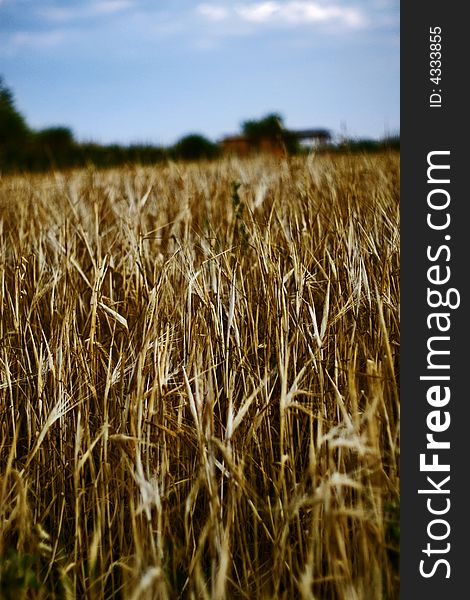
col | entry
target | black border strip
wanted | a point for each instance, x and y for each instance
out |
(433, 257)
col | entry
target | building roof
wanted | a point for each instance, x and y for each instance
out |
(304, 134)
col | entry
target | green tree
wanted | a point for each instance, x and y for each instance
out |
(271, 128)
(55, 137)
(13, 127)
(55, 147)
(194, 147)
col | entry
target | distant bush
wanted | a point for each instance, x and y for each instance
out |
(271, 128)
(194, 147)
(368, 145)
(115, 155)
(55, 137)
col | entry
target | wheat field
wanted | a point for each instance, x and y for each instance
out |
(199, 380)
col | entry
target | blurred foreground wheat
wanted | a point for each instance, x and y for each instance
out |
(198, 381)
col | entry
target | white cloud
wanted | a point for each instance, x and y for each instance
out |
(213, 12)
(260, 12)
(313, 12)
(291, 12)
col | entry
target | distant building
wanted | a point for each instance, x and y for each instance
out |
(236, 144)
(241, 145)
(315, 137)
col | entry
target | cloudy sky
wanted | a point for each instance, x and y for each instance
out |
(152, 71)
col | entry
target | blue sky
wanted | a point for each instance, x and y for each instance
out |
(141, 71)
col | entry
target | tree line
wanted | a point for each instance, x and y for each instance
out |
(25, 149)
